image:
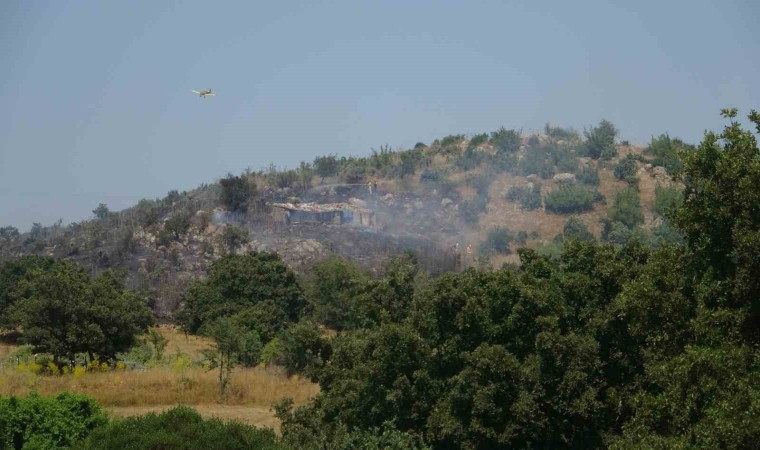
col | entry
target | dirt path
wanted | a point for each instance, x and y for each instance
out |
(254, 415)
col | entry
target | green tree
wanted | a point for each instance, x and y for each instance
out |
(626, 208)
(569, 199)
(61, 312)
(177, 225)
(720, 217)
(101, 212)
(666, 153)
(304, 349)
(234, 283)
(37, 422)
(234, 237)
(11, 273)
(600, 141)
(326, 166)
(667, 200)
(9, 233)
(626, 170)
(229, 344)
(237, 192)
(506, 141)
(576, 229)
(497, 240)
(333, 290)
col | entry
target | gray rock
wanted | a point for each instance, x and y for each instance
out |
(564, 178)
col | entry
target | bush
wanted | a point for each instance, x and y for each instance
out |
(236, 193)
(470, 210)
(666, 199)
(478, 139)
(481, 183)
(576, 229)
(304, 349)
(569, 199)
(497, 241)
(529, 199)
(627, 208)
(470, 159)
(588, 175)
(233, 237)
(600, 141)
(506, 141)
(521, 237)
(326, 166)
(179, 428)
(665, 151)
(626, 169)
(47, 422)
(452, 139)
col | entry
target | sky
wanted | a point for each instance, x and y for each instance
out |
(96, 103)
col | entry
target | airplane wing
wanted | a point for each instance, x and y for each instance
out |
(210, 94)
(196, 92)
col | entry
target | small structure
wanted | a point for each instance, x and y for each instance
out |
(335, 213)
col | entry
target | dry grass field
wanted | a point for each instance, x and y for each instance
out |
(249, 396)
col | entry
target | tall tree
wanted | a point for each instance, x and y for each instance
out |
(61, 312)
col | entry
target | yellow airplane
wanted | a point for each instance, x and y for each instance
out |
(204, 93)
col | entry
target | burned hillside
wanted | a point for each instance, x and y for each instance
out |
(458, 202)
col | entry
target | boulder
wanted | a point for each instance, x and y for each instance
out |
(564, 178)
(446, 202)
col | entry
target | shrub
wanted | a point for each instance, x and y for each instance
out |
(588, 175)
(626, 169)
(529, 199)
(667, 199)
(627, 208)
(452, 139)
(521, 237)
(538, 161)
(233, 237)
(326, 166)
(497, 241)
(576, 229)
(272, 353)
(506, 141)
(304, 349)
(481, 183)
(478, 139)
(47, 422)
(600, 141)
(470, 210)
(179, 428)
(569, 199)
(236, 193)
(665, 151)
(470, 159)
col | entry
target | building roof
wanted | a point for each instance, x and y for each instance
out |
(320, 207)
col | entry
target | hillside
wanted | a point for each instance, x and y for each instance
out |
(446, 201)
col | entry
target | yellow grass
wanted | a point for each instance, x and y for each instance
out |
(177, 341)
(160, 386)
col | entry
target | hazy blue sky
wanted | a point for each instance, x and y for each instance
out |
(95, 101)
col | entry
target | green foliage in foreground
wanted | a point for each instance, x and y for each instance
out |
(47, 422)
(606, 346)
(180, 428)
